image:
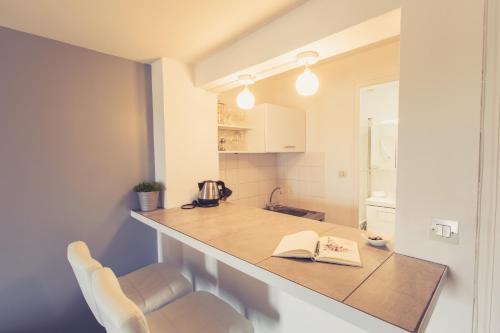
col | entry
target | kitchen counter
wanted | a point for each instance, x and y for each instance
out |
(389, 293)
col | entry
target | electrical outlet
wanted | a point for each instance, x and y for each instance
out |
(444, 231)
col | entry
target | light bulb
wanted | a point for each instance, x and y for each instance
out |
(307, 83)
(245, 99)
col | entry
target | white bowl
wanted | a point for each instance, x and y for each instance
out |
(380, 242)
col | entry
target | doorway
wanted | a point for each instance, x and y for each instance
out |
(378, 128)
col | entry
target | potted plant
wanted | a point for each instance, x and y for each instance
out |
(148, 195)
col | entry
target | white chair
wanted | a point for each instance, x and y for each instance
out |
(149, 288)
(198, 312)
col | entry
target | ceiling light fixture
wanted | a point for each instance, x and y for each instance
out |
(245, 99)
(307, 84)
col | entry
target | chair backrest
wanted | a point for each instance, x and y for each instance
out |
(83, 266)
(118, 312)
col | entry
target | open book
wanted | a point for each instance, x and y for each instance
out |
(308, 244)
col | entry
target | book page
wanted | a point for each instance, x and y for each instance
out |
(338, 250)
(298, 245)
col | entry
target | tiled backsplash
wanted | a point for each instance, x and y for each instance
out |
(251, 177)
(302, 179)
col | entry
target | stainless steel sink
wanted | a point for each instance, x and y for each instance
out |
(308, 214)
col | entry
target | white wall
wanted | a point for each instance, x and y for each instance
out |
(439, 128)
(185, 132)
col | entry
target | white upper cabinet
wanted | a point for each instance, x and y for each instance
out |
(276, 129)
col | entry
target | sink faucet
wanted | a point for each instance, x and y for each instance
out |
(270, 204)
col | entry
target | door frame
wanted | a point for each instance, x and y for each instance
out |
(487, 270)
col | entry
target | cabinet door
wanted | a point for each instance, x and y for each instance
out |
(256, 136)
(285, 130)
(380, 220)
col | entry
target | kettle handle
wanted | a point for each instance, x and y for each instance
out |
(224, 191)
(221, 184)
(222, 188)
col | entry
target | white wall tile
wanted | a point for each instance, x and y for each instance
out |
(242, 175)
(302, 179)
(316, 189)
(222, 173)
(244, 190)
(222, 161)
(281, 171)
(243, 161)
(235, 189)
(253, 189)
(293, 172)
(282, 159)
(251, 177)
(317, 173)
(231, 176)
(231, 161)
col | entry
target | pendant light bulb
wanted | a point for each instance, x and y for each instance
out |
(307, 84)
(245, 99)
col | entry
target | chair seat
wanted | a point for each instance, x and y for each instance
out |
(199, 312)
(154, 286)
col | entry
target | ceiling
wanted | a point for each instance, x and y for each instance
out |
(142, 30)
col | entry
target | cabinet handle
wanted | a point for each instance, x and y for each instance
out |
(288, 146)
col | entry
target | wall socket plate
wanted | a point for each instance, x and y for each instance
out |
(444, 231)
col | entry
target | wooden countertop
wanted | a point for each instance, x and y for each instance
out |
(394, 288)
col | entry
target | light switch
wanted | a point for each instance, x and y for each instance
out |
(446, 230)
(439, 230)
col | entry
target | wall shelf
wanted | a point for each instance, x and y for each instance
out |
(233, 127)
(233, 151)
(240, 152)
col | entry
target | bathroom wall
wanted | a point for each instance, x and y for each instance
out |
(251, 177)
(332, 117)
(75, 137)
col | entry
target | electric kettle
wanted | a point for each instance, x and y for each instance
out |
(211, 192)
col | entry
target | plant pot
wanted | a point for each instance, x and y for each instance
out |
(148, 201)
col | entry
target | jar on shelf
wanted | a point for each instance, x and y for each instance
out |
(222, 144)
(221, 108)
(228, 116)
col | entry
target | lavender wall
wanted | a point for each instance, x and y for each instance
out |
(75, 135)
